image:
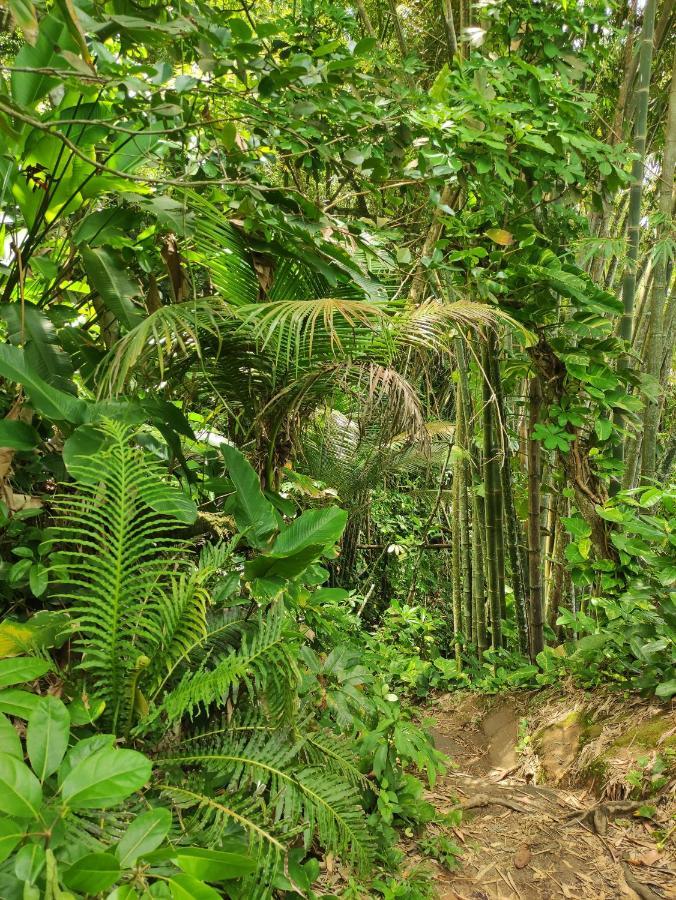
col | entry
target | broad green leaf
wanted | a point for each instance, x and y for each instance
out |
(20, 791)
(38, 578)
(28, 325)
(83, 444)
(603, 428)
(313, 528)
(145, 833)
(500, 236)
(666, 690)
(170, 501)
(253, 513)
(105, 778)
(18, 435)
(29, 863)
(107, 276)
(22, 669)
(214, 865)
(51, 402)
(185, 887)
(9, 739)
(92, 873)
(47, 736)
(28, 86)
(592, 642)
(610, 513)
(10, 835)
(15, 702)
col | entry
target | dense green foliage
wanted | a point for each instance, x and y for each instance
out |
(336, 371)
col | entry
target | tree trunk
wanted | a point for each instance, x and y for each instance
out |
(658, 296)
(636, 189)
(493, 503)
(537, 638)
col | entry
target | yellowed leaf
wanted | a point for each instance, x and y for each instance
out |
(500, 236)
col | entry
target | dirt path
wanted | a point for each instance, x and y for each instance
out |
(527, 841)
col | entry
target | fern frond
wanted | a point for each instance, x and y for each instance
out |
(263, 665)
(315, 797)
(113, 574)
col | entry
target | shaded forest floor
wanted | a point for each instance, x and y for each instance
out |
(565, 794)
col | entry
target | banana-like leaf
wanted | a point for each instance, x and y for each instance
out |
(253, 513)
(48, 400)
(110, 281)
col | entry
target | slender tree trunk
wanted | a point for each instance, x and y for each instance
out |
(455, 566)
(658, 296)
(493, 504)
(636, 189)
(366, 21)
(537, 639)
(478, 635)
(449, 25)
(555, 592)
(398, 30)
(465, 546)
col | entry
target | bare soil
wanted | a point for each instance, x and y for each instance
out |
(545, 816)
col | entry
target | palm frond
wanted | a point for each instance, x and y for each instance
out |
(170, 330)
(432, 325)
(300, 331)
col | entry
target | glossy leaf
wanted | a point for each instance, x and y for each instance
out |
(105, 778)
(20, 791)
(145, 834)
(47, 736)
(92, 873)
(22, 669)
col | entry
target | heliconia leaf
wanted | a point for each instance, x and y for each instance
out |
(313, 528)
(253, 513)
(50, 401)
(23, 13)
(18, 435)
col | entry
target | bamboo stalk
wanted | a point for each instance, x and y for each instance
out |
(537, 640)
(465, 550)
(493, 504)
(636, 188)
(658, 295)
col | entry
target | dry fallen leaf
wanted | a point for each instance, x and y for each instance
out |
(522, 858)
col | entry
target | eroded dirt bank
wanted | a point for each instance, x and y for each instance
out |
(564, 795)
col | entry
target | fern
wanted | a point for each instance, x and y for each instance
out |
(263, 665)
(316, 797)
(114, 572)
